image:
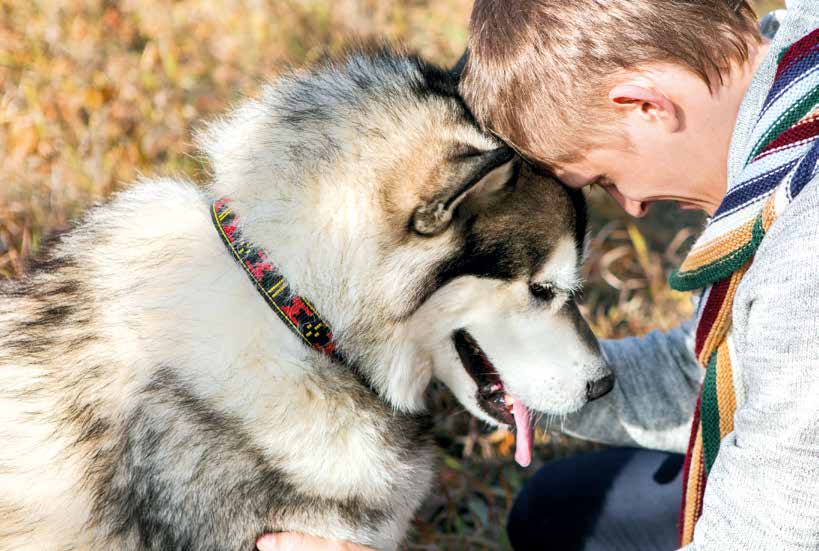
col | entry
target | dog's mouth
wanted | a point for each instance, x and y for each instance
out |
(492, 396)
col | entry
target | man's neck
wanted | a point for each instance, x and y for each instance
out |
(728, 100)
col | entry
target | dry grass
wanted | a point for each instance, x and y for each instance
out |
(94, 93)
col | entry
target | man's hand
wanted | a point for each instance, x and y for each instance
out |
(301, 542)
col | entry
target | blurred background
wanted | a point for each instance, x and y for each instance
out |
(95, 93)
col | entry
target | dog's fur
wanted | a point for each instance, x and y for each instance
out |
(149, 397)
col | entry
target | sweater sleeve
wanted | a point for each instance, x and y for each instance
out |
(652, 403)
(763, 489)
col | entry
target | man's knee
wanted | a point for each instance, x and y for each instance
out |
(559, 505)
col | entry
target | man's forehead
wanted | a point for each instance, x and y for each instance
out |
(577, 175)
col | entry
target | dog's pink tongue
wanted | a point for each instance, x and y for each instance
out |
(523, 424)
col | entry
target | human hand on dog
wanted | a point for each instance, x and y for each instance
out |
(301, 542)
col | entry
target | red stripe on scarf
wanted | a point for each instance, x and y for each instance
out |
(792, 135)
(701, 484)
(796, 52)
(710, 312)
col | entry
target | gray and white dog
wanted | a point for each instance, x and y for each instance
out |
(151, 397)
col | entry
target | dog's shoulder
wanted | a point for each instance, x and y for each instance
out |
(151, 206)
(151, 222)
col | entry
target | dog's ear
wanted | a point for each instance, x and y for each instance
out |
(470, 175)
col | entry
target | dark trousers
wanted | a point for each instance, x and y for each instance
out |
(614, 500)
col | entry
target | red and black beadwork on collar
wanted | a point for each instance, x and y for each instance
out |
(295, 311)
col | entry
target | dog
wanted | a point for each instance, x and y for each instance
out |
(189, 368)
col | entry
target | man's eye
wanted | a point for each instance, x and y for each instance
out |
(604, 181)
(542, 291)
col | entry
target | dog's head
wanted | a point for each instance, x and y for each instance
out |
(427, 244)
(502, 327)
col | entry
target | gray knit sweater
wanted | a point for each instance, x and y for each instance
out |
(763, 489)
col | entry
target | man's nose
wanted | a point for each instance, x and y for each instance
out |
(637, 209)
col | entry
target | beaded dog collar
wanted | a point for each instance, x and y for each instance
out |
(295, 311)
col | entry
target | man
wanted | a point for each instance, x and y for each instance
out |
(685, 101)
(680, 100)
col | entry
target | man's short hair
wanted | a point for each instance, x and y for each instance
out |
(538, 71)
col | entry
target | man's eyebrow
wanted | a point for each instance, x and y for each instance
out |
(602, 180)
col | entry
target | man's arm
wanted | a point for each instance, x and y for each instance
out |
(763, 489)
(652, 403)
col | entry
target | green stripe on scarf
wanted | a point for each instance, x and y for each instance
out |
(788, 119)
(709, 414)
(722, 268)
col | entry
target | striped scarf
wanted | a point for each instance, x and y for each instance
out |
(784, 150)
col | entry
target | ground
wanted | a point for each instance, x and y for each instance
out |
(94, 93)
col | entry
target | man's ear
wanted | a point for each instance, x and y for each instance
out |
(647, 102)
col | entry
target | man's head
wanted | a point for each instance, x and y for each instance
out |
(640, 96)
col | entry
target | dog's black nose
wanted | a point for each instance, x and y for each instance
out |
(600, 387)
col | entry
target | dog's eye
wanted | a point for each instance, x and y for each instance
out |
(542, 291)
